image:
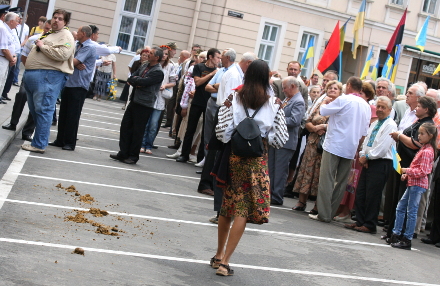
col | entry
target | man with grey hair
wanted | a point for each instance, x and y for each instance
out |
(9, 47)
(412, 95)
(279, 159)
(435, 94)
(234, 77)
(377, 161)
(75, 90)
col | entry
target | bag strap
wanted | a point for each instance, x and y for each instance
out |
(247, 112)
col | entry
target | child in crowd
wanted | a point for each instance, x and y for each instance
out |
(417, 176)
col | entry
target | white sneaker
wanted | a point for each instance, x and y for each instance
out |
(174, 156)
(192, 158)
(343, 219)
(29, 147)
(200, 164)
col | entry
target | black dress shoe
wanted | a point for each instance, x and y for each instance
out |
(404, 243)
(182, 159)
(9, 127)
(199, 172)
(116, 157)
(165, 126)
(128, 161)
(54, 123)
(68, 148)
(428, 241)
(273, 203)
(174, 146)
(55, 144)
(154, 147)
(27, 137)
(3, 102)
(6, 98)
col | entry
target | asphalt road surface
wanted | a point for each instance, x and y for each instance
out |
(161, 233)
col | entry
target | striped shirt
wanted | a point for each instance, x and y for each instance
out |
(421, 167)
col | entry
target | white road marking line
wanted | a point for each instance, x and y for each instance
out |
(97, 137)
(180, 259)
(141, 155)
(101, 122)
(106, 129)
(118, 113)
(99, 115)
(11, 175)
(114, 186)
(113, 167)
(270, 232)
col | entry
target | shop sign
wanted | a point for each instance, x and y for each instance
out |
(429, 69)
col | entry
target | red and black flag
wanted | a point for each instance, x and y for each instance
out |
(330, 57)
(396, 39)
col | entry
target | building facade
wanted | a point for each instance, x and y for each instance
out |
(278, 31)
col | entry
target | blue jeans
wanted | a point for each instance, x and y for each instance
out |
(409, 205)
(42, 89)
(151, 129)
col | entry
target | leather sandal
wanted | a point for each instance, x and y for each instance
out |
(298, 208)
(227, 272)
(215, 263)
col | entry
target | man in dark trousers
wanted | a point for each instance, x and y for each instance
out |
(75, 90)
(202, 74)
(147, 81)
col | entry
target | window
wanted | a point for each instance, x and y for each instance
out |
(308, 65)
(429, 6)
(397, 2)
(268, 43)
(135, 24)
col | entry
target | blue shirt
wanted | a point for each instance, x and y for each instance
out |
(217, 78)
(86, 54)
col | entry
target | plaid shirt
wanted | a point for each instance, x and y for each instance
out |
(436, 120)
(421, 167)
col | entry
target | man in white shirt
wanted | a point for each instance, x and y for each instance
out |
(8, 47)
(348, 124)
(377, 161)
(234, 77)
(412, 95)
(23, 36)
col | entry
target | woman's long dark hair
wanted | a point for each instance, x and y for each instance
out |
(253, 94)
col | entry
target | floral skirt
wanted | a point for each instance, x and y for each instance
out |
(248, 195)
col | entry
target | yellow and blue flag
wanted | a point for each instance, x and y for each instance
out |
(436, 70)
(387, 67)
(366, 69)
(358, 24)
(421, 36)
(396, 160)
(310, 52)
(396, 63)
(374, 74)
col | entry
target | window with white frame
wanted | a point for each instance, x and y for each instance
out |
(429, 6)
(397, 2)
(305, 40)
(268, 43)
(134, 26)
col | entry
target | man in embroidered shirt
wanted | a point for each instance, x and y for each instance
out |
(348, 123)
(47, 67)
(376, 159)
(75, 91)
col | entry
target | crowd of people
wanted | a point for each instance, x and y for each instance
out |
(331, 142)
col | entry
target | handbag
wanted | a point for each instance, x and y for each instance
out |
(353, 178)
(320, 145)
